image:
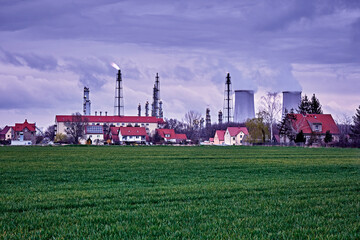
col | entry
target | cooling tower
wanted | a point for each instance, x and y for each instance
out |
(291, 100)
(244, 105)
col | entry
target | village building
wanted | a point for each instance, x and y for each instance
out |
(169, 136)
(128, 135)
(94, 134)
(149, 123)
(24, 134)
(235, 135)
(219, 137)
(7, 133)
(314, 126)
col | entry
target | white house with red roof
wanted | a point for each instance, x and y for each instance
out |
(169, 135)
(219, 137)
(95, 133)
(149, 123)
(24, 133)
(314, 125)
(235, 135)
(132, 135)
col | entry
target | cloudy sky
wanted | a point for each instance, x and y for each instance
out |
(50, 50)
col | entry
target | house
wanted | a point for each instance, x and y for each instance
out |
(219, 137)
(7, 133)
(149, 123)
(235, 135)
(315, 125)
(114, 135)
(129, 135)
(24, 133)
(169, 135)
(95, 133)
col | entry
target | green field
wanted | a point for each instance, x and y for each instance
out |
(179, 192)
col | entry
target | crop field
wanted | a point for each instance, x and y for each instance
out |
(113, 192)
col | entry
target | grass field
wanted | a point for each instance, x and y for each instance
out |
(179, 192)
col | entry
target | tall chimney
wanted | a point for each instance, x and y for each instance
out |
(87, 102)
(139, 110)
(147, 108)
(105, 113)
(220, 117)
(119, 98)
(228, 102)
(100, 113)
(95, 113)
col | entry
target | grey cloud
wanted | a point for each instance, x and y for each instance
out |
(39, 62)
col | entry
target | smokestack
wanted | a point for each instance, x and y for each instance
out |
(208, 118)
(291, 100)
(220, 117)
(244, 105)
(100, 113)
(147, 108)
(228, 103)
(139, 110)
(87, 102)
(119, 98)
(105, 113)
(95, 113)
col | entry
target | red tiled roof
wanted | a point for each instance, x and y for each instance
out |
(163, 132)
(5, 130)
(220, 134)
(171, 132)
(114, 130)
(236, 130)
(21, 126)
(211, 139)
(113, 119)
(181, 136)
(303, 123)
(133, 131)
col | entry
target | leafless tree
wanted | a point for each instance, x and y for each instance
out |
(76, 127)
(192, 119)
(270, 109)
(344, 123)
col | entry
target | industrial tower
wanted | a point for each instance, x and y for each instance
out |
(155, 112)
(208, 118)
(228, 103)
(220, 117)
(119, 98)
(87, 102)
(147, 108)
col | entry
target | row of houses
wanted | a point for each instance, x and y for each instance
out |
(121, 129)
(19, 134)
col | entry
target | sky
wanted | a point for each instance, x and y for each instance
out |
(50, 50)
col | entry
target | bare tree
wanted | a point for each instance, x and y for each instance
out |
(76, 127)
(192, 119)
(270, 109)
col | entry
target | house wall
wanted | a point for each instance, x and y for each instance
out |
(137, 139)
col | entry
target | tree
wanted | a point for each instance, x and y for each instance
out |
(315, 106)
(328, 137)
(355, 129)
(307, 106)
(50, 132)
(286, 126)
(300, 137)
(257, 130)
(76, 127)
(304, 106)
(192, 119)
(270, 109)
(175, 124)
(60, 138)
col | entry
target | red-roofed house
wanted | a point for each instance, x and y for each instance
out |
(169, 135)
(316, 125)
(95, 133)
(219, 137)
(132, 135)
(7, 133)
(25, 132)
(235, 135)
(149, 123)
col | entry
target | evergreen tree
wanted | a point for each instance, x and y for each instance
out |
(285, 126)
(300, 138)
(328, 137)
(355, 129)
(315, 106)
(304, 106)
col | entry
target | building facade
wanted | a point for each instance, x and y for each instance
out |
(235, 135)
